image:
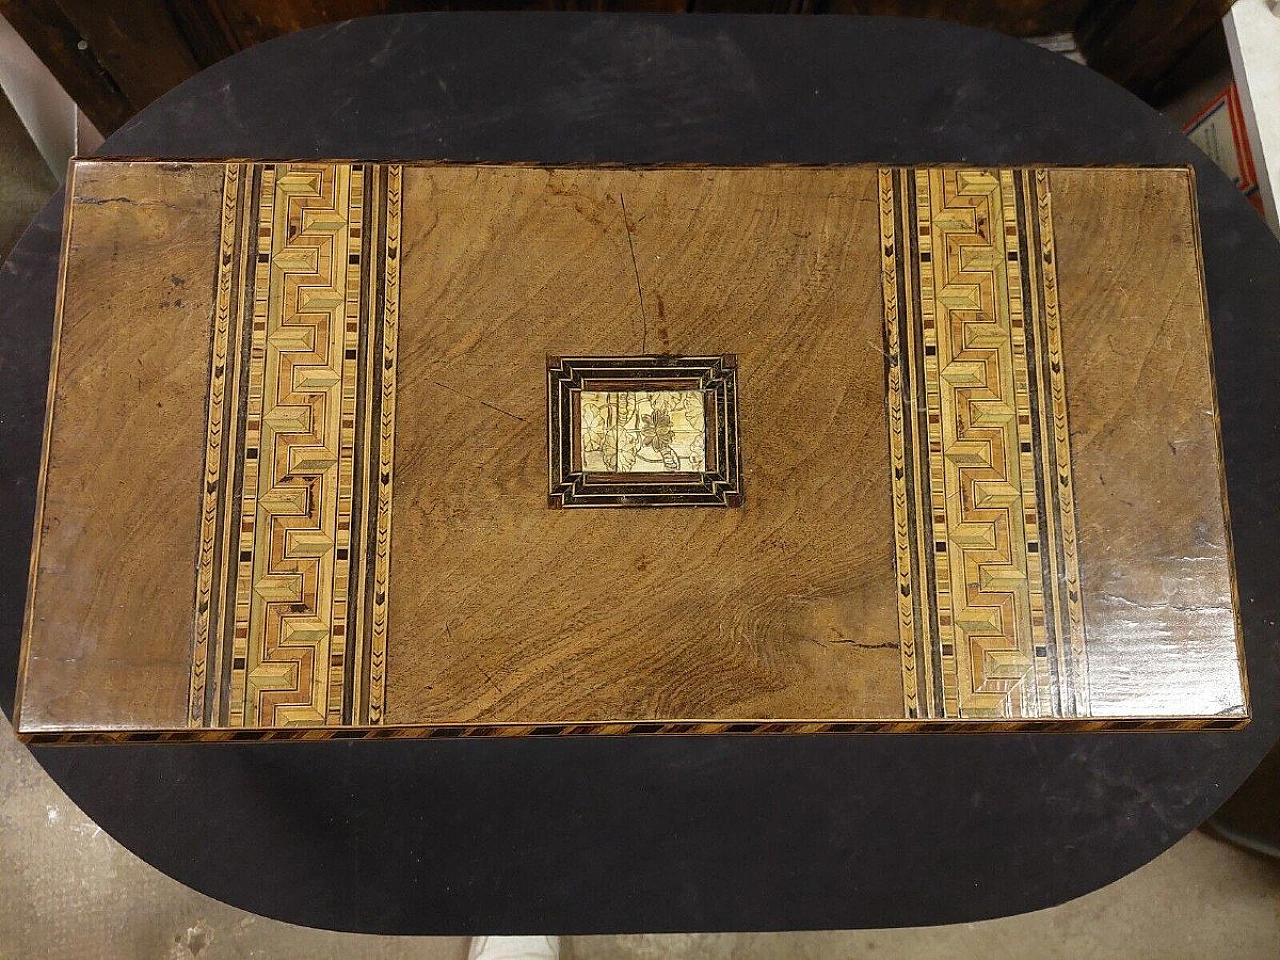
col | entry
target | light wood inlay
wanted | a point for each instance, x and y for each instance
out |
(296, 511)
(989, 605)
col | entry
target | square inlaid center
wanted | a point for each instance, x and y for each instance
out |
(642, 431)
(648, 431)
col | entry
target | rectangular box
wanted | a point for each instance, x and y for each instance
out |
(382, 450)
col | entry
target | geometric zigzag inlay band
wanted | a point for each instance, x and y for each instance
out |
(295, 532)
(989, 609)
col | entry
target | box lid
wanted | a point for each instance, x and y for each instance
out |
(353, 449)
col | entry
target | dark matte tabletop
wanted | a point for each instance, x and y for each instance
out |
(596, 835)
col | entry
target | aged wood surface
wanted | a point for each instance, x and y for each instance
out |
(298, 466)
(1159, 611)
(116, 555)
(1142, 45)
(783, 608)
(47, 30)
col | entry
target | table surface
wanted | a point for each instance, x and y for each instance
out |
(597, 835)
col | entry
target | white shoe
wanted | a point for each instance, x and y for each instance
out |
(514, 948)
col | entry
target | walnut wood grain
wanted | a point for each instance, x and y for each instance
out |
(111, 613)
(1154, 552)
(783, 608)
(429, 298)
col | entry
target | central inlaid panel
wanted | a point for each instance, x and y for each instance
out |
(657, 431)
(643, 431)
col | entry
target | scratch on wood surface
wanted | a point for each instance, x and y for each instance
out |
(644, 319)
(486, 403)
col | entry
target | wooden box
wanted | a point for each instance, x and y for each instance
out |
(383, 450)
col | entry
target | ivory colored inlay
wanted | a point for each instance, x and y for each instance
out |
(638, 431)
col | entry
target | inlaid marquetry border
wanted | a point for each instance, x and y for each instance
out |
(645, 728)
(295, 524)
(718, 485)
(989, 607)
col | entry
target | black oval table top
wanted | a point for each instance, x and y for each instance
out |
(597, 835)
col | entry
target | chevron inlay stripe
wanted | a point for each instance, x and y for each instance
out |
(989, 610)
(291, 588)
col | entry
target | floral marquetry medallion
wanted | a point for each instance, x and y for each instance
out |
(643, 432)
